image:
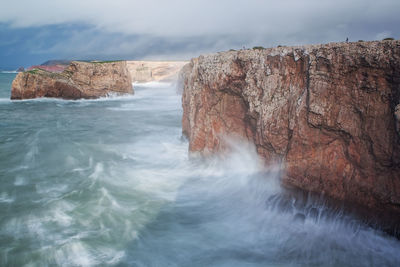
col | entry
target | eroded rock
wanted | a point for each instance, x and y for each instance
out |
(325, 113)
(78, 80)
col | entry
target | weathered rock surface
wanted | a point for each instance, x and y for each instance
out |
(78, 80)
(326, 113)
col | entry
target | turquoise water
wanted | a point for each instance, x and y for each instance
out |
(5, 84)
(109, 183)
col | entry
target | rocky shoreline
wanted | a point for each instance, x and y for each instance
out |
(327, 115)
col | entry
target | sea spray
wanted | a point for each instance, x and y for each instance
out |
(110, 182)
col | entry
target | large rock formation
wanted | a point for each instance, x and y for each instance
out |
(78, 80)
(325, 113)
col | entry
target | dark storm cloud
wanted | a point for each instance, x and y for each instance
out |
(180, 28)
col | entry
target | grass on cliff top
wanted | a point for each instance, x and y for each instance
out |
(38, 71)
(54, 75)
(33, 71)
(105, 61)
(98, 61)
(258, 48)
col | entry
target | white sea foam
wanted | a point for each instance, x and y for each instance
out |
(111, 183)
(8, 71)
(20, 180)
(76, 254)
(5, 198)
(153, 84)
(111, 97)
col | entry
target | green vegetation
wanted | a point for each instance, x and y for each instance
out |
(56, 62)
(105, 61)
(258, 48)
(361, 41)
(232, 50)
(34, 71)
(388, 39)
(99, 61)
(41, 71)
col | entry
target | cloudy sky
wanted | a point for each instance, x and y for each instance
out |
(33, 31)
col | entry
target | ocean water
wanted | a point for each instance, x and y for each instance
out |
(109, 182)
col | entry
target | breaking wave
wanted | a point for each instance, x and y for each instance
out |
(88, 183)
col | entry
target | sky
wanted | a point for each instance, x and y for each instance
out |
(32, 32)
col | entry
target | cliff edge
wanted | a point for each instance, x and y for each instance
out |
(78, 80)
(327, 114)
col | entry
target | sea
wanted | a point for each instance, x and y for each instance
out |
(109, 182)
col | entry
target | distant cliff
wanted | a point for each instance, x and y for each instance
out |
(78, 80)
(325, 113)
(148, 71)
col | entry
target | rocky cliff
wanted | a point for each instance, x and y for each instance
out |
(148, 71)
(325, 113)
(78, 80)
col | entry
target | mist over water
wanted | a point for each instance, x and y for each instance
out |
(109, 182)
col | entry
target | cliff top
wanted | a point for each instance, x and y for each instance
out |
(47, 73)
(45, 70)
(284, 50)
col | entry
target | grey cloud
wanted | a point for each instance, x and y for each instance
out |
(195, 18)
(157, 27)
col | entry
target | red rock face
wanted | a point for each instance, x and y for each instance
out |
(78, 80)
(326, 113)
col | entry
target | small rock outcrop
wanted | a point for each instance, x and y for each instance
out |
(78, 80)
(325, 113)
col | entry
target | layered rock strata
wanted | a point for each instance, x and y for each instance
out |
(78, 80)
(327, 114)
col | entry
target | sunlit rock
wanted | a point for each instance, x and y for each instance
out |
(78, 80)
